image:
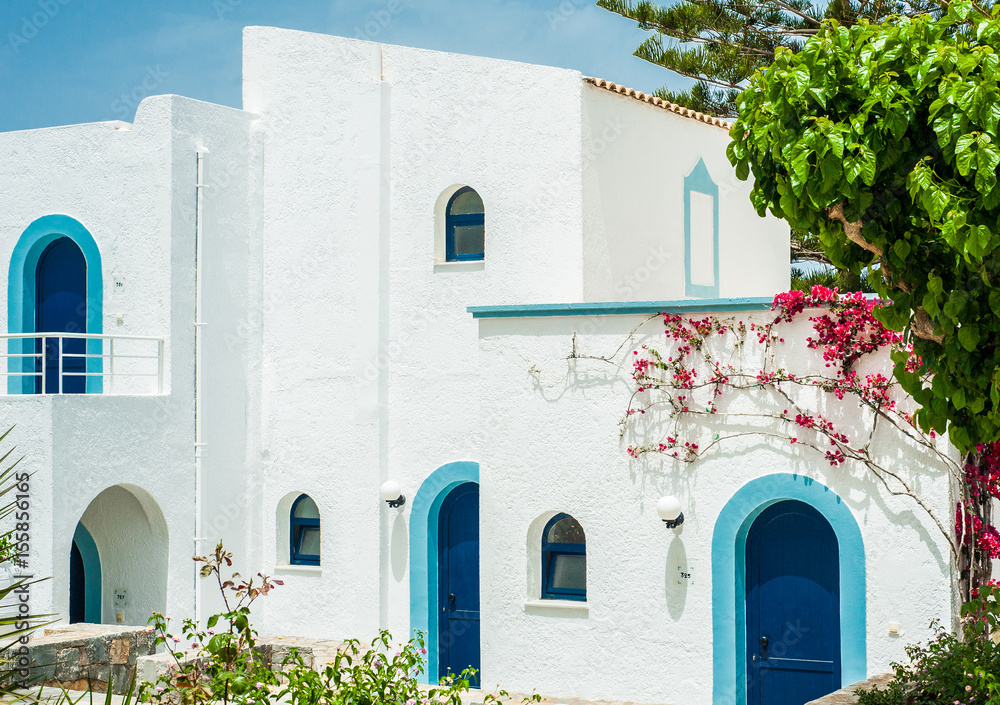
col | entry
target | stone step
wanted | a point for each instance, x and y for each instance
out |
(846, 696)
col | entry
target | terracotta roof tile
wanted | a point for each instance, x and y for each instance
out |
(658, 102)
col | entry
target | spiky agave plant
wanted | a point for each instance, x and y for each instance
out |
(14, 626)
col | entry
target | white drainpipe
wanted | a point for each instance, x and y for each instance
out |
(198, 442)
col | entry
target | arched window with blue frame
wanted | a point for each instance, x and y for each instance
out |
(304, 532)
(564, 559)
(465, 230)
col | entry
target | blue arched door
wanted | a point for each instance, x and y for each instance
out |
(61, 307)
(458, 581)
(793, 606)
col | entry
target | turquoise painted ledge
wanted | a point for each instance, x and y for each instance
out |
(622, 308)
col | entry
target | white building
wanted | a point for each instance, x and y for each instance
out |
(283, 304)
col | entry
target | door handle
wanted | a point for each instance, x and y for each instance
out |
(763, 642)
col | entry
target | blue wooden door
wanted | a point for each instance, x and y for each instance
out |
(458, 581)
(61, 307)
(793, 606)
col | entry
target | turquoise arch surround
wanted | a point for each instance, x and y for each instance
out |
(700, 181)
(424, 552)
(21, 296)
(91, 573)
(728, 579)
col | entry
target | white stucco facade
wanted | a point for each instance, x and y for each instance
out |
(552, 445)
(336, 352)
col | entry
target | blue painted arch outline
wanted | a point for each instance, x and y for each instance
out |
(424, 552)
(729, 579)
(21, 288)
(92, 579)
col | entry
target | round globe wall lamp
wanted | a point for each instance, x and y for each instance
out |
(392, 493)
(669, 509)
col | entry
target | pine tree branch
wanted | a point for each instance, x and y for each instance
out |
(788, 8)
(722, 43)
(706, 79)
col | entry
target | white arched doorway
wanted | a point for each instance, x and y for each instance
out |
(130, 537)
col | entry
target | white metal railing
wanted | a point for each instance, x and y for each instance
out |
(76, 363)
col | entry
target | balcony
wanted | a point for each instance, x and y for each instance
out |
(73, 363)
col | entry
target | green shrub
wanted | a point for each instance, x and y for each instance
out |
(377, 674)
(226, 667)
(951, 668)
(894, 694)
(222, 667)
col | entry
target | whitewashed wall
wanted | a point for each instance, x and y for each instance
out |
(636, 157)
(368, 351)
(551, 444)
(368, 348)
(132, 187)
(231, 272)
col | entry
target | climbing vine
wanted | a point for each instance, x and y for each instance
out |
(843, 412)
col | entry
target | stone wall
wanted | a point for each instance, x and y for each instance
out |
(273, 653)
(80, 656)
(89, 655)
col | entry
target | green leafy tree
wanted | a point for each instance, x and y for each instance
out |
(881, 140)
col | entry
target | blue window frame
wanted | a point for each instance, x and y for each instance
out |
(465, 229)
(564, 559)
(304, 532)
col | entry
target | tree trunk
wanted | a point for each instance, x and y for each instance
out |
(975, 566)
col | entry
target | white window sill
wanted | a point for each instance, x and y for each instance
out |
(287, 569)
(567, 606)
(477, 265)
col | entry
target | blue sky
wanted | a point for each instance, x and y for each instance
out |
(71, 61)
